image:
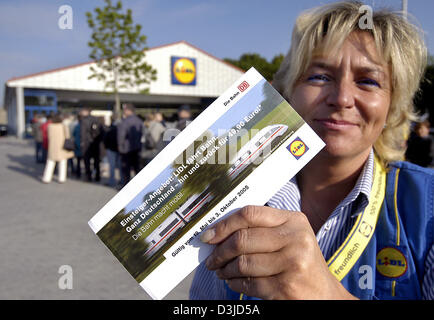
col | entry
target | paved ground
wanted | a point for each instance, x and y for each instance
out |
(45, 226)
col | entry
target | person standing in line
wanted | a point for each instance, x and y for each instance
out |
(44, 130)
(111, 145)
(57, 133)
(68, 122)
(184, 117)
(419, 145)
(129, 135)
(77, 151)
(37, 135)
(154, 130)
(90, 139)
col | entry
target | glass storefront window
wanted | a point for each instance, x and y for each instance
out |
(40, 100)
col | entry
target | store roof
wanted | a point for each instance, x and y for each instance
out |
(212, 75)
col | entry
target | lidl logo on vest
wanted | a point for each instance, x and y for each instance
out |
(391, 262)
(183, 71)
(297, 148)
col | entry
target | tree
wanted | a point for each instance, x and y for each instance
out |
(248, 60)
(118, 47)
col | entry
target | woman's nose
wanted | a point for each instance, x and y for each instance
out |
(341, 94)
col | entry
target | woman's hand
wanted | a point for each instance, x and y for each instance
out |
(271, 254)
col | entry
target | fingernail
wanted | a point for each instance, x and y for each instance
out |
(207, 235)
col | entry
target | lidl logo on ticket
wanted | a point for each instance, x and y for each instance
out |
(297, 148)
(183, 71)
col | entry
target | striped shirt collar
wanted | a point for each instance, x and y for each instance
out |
(363, 186)
(288, 197)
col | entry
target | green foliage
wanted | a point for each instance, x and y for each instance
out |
(118, 47)
(128, 251)
(248, 60)
(208, 171)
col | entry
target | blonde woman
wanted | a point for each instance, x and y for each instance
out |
(57, 133)
(356, 222)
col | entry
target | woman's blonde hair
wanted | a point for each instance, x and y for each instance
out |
(398, 42)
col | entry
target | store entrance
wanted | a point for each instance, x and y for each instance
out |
(38, 102)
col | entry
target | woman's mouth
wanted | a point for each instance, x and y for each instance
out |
(333, 124)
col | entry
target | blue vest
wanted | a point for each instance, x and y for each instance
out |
(392, 265)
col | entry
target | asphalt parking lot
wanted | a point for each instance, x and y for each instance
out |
(44, 227)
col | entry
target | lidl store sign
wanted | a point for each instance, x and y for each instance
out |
(183, 71)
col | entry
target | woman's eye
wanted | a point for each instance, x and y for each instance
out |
(318, 78)
(369, 82)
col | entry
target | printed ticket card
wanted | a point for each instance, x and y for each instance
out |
(239, 151)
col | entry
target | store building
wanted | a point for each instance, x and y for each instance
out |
(185, 75)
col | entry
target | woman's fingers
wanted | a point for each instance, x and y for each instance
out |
(247, 217)
(246, 241)
(253, 265)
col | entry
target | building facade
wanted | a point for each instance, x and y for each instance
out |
(185, 75)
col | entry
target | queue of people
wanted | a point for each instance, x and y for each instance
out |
(128, 143)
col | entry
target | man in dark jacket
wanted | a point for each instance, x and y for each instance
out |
(90, 138)
(129, 135)
(111, 146)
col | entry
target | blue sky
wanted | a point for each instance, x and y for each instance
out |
(31, 40)
(239, 110)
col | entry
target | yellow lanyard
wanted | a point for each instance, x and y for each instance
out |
(358, 238)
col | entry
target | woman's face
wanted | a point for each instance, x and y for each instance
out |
(345, 97)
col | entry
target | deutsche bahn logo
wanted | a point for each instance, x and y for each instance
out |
(243, 86)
